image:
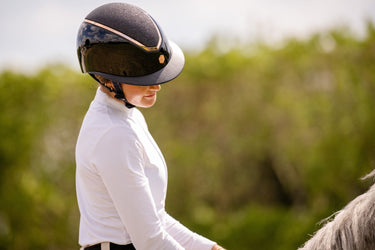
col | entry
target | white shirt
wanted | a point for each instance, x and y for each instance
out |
(121, 182)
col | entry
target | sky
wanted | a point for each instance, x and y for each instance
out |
(38, 32)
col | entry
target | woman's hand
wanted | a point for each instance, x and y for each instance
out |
(217, 247)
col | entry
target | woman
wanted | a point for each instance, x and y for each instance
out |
(121, 176)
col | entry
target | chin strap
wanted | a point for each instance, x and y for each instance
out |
(119, 94)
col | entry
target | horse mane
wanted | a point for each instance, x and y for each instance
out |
(352, 228)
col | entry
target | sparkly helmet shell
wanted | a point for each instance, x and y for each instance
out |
(124, 44)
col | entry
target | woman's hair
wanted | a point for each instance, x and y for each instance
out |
(101, 79)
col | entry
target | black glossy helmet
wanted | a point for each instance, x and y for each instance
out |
(124, 44)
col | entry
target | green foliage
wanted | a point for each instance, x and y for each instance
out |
(39, 122)
(261, 143)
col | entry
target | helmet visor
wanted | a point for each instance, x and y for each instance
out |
(101, 50)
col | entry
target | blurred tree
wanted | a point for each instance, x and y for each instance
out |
(39, 120)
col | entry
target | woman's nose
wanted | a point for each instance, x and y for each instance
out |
(156, 87)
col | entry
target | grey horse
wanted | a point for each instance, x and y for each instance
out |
(352, 228)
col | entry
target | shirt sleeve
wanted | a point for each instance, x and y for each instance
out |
(118, 158)
(188, 239)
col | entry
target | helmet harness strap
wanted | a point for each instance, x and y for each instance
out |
(119, 94)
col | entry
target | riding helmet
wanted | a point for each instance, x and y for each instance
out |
(124, 44)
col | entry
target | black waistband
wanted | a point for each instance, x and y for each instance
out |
(112, 246)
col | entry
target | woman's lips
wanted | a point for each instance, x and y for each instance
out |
(151, 95)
